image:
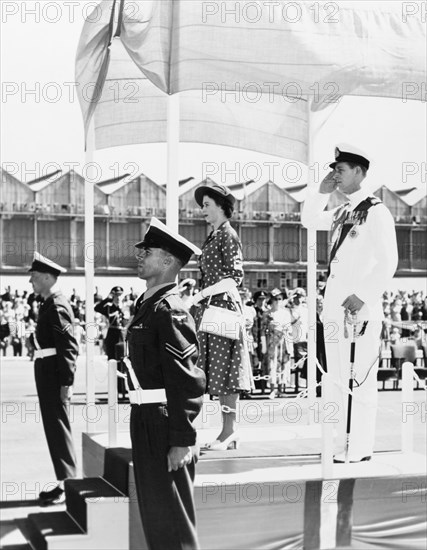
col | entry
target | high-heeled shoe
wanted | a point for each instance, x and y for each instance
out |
(231, 442)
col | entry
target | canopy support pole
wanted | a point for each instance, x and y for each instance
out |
(172, 187)
(311, 276)
(89, 265)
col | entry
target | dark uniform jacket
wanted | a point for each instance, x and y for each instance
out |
(55, 330)
(114, 315)
(163, 350)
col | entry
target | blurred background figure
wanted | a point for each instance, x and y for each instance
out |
(260, 365)
(114, 346)
(186, 292)
(277, 342)
(4, 333)
(249, 315)
(299, 319)
(96, 296)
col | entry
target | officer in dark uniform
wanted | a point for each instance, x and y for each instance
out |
(166, 393)
(56, 352)
(110, 308)
(114, 340)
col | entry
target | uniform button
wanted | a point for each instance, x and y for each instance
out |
(332, 276)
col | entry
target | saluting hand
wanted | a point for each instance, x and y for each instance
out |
(178, 457)
(328, 184)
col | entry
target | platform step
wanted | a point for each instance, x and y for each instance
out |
(116, 467)
(49, 524)
(93, 488)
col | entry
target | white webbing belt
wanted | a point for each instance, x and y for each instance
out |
(41, 353)
(44, 352)
(144, 397)
(140, 396)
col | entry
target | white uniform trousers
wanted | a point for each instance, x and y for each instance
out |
(365, 391)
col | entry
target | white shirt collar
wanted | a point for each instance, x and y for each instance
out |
(357, 197)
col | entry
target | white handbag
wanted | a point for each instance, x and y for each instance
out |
(222, 322)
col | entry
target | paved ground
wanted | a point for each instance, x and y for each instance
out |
(25, 464)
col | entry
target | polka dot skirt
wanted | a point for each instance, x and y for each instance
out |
(225, 361)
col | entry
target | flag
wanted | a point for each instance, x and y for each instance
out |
(93, 57)
(251, 49)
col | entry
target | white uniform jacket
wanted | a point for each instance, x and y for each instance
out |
(366, 260)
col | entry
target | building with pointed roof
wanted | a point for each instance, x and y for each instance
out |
(50, 218)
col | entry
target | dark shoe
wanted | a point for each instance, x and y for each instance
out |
(55, 496)
(342, 461)
(245, 395)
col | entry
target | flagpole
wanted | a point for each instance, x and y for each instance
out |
(89, 265)
(311, 276)
(172, 187)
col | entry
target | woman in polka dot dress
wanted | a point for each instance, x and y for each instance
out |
(225, 361)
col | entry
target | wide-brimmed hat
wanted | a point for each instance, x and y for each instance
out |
(215, 189)
(275, 293)
(299, 292)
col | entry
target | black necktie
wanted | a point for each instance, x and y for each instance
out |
(139, 302)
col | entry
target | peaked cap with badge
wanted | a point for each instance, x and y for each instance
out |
(118, 290)
(158, 235)
(259, 294)
(42, 264)
(348, 153)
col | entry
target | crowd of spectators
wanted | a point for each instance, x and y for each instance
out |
(276, 325)
(405, 317)
(18, 317)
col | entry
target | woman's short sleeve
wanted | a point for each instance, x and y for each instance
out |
(232, 256)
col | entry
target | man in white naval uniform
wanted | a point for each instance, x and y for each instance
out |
(362, 263)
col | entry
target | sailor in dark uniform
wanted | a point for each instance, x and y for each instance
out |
(166, 393)
(56, 352)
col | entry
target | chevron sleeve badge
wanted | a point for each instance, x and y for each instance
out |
(181, 354)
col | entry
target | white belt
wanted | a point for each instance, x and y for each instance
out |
(44, 352)
(144, 397)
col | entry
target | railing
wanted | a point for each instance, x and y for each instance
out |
(113, 405)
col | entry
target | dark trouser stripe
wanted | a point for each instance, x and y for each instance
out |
(312, 499)
(345, 512)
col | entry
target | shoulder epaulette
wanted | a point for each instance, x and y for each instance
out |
(169, 298)
(367, 203)
(360, 213)
(374, 200)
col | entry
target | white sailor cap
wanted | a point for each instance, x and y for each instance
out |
(158, 235)
(348, 153)
(44, 265)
